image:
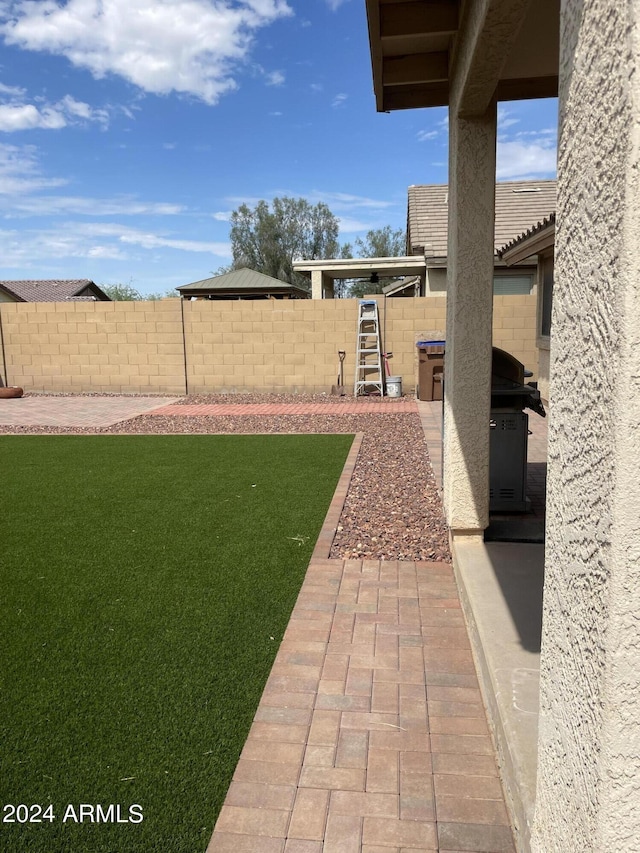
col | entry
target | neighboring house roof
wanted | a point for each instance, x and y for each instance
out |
(536, 239)
(409, 284)
(518, 205)
(54, 290)
(243, 282)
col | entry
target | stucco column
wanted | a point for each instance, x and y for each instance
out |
(316, 284)
(321, 285)
(588, 788)
(472, 146)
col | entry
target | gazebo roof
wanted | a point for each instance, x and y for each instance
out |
(242, 281)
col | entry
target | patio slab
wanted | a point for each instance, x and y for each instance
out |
(77, 412)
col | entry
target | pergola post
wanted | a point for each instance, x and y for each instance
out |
(321, 285)
(472, 175)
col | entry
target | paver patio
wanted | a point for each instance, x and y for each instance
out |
(80, 411)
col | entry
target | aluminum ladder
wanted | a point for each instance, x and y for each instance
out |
(369, 373)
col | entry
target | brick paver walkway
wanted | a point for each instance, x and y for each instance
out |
(350, 407)
(371, 735)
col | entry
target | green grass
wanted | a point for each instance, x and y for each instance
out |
(145, 584)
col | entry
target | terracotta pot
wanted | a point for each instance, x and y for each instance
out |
(11, 392)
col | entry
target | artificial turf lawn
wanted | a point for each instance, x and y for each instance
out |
(145, 584)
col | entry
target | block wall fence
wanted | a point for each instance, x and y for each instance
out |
(174, 347)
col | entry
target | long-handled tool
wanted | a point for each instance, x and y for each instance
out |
(338, 389)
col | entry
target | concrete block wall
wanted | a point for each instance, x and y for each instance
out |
(130, 347)
(514, 328)
(288, 346)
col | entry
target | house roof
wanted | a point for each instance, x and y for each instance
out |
(241, 281)
(394, 287)
(52, 290)
(421, 52)
(537, 238)
(518, 205)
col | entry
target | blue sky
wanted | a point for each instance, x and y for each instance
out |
(129, 129)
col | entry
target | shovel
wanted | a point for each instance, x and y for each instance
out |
(338, 389)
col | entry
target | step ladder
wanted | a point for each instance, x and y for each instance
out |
(369, 373)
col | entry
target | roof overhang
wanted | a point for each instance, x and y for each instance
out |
(423, 51)
(10, 293)
(241, 293)
(534, 242)
(343, 268)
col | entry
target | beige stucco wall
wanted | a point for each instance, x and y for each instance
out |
(588, 789)
(263, 345)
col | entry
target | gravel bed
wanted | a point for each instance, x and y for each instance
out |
(392, 510)
(296, 399)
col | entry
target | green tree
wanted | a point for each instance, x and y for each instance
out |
(169, 293)
(382, 243)
(269, 239)
(378, 243)
(121, 292)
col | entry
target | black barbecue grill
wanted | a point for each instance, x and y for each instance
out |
(510, 394)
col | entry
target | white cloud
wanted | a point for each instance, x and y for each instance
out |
(149, 240)
(339, 100)
(222, 215)
(517, 159)
(353, 226)
(20, 172)
(25, 248)
(56, 205)
(437, 127)
(335, 4)
(506, 118)
(25, 191)
(16, 116)
(107, 241)
(12, 91)
(345, 201)
(184, 46)
(275, 78)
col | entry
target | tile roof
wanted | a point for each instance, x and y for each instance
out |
(239, 281)
(52, 290)
(519, 204)
(536, 229)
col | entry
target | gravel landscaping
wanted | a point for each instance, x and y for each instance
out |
(392, 510)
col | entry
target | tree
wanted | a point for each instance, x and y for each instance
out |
(269, 240)
(128, 293)
(378, 243)
(169, 293)
(121, 292)
(382, 243)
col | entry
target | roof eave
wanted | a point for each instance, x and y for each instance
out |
(527, 246)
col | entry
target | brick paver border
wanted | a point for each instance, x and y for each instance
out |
(352, 406)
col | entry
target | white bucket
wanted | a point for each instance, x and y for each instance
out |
(394, 386)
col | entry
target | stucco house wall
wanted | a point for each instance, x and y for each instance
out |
(589, 743)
